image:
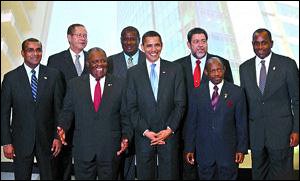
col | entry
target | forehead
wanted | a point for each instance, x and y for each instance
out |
(214, 64)
(79, 29)
(261, 35)
(198, 36)
(97, 54)
(32, 44)
(152, 39)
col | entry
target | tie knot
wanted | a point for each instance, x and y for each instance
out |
(77, 56)
(216, 88)
(198, 62)
(130, 58)
(33, 71)
(262, 62)
(153, 66)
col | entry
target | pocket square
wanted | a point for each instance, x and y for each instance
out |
(229, 103)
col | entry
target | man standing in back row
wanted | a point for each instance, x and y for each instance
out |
(71, 63)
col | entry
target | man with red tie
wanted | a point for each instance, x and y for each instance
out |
(96, 103)
(193, 66)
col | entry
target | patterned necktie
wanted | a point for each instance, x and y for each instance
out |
(97, 96)
(153, 79)
(129, 62)
(197, 74)
(33, 85)
(262, 76)
(77, 65)
(215, 98)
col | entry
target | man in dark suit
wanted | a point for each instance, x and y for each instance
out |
(156, 101)
(95, 102)
(197, 43)
(271, 82)
(34, 94)
(118, 65)
(217, 122)
(70, 67)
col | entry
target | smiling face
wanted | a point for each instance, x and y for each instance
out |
(97, 63)
(152, 47)
(198, 45)
(32, 53)
(262, 44)
(130, 42)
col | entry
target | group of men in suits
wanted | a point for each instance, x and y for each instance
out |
(137, 108)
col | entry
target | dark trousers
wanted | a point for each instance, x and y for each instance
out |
(271, 164)
(63, 162)
(218, 172)
(23, 165)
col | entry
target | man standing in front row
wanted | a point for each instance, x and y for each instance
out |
(32, 94)
(271, 82)
(156, 101)
(193, 68)
(95, 102)
(217, 122)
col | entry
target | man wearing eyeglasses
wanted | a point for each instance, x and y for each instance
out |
(71, 63)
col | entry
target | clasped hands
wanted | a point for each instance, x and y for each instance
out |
(62, 136)
(158, 138)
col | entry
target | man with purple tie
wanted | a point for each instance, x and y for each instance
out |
(216, 123)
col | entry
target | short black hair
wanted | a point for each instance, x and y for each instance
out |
(260, 30)
(130, 28)
(196, 31)
(30, 40)
(150, 34)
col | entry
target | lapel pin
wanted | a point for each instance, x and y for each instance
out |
(45, 78)
(225, 95)
(163, 72)
(274, 68)
(109, 85)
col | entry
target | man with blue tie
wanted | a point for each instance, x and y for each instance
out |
(33, 93)
(156, 102)
(271, 83)
(216, 133)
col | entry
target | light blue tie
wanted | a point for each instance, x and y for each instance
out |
(33, 85)
(153, 79)
(262, 76)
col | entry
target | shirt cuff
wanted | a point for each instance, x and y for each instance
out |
(145, 132)
(170, 129)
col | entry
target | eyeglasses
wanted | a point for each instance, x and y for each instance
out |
(80, 35)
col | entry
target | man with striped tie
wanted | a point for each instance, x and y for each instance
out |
(33, 93)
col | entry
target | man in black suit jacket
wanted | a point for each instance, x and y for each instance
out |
(99, 129)
(273, 109)
(118, 65)
(32, 130)
(65, 63)
(197, 43)
(156, 108)
(217, 123)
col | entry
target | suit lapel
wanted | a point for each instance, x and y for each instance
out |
(163, 79)
(42, 82)
(252, 76)
(69, 62)
(24, 83)
(272, 76)
(121, 65)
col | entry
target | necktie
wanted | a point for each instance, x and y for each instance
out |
(153, 79)
(262, 76)
(129, 62)
(77, 65)
(197, 74)
(215, 98)
(97, 96)
(33, 85)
